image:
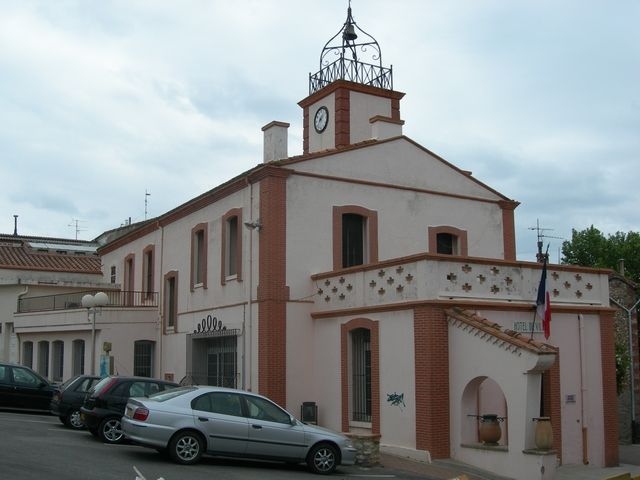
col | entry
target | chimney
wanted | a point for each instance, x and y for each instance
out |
(15, 225)
(621, 267)
(385, 127)
(275, 141)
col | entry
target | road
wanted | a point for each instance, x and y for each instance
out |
(36, 447)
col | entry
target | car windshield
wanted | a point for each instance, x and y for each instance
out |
(172, 393)
(67, 383)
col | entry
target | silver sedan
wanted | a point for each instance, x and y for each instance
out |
(187, 422)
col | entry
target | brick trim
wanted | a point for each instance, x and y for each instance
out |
(508, 228)
(431, 343)
(461, 235)
(609, 393)
(272, 291)
(345, 330)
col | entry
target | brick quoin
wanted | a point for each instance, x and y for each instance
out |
(609, 394)
(431, 337)
(552, 403)
(272, 292)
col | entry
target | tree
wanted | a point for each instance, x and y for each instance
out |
(590, 248)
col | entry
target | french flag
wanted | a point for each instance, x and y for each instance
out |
(543, 304)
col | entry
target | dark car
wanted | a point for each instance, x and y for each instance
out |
(104, 405)
(69, 397)
(23, 389)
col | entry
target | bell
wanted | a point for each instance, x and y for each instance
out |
(349, 33)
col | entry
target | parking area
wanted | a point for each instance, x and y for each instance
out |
(33, 447)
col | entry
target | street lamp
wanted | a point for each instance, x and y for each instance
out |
(94, 303)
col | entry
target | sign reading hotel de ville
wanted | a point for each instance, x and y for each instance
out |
(527, 327)
(209, 326)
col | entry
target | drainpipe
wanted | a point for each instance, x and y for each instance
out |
(583, 393)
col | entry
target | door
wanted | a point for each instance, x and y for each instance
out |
(219, 416)
(271, 433)
(30, 390)
(6, 387)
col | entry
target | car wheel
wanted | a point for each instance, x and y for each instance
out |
(323, 459)
(110, 430)
(186, 448)
(73, 420)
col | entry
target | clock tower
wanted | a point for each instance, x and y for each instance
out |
(351, 97)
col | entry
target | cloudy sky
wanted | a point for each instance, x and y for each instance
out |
(103, 101)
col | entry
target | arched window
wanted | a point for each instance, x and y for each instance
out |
(231, 246)
(148, 271)
(360, 358)
(360, 375)
(170, 302)
(448, 241)
(57, 370)
(199, 252)
(43, 358)
(355, 236)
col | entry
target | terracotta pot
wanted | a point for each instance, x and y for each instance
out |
(543, 433)
(490, 431)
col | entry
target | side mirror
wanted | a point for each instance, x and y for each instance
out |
(293, 420)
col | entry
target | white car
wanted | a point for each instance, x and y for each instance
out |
(188, 422)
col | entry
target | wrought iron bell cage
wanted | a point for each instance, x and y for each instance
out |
(335, 63)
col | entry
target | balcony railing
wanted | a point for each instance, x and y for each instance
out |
(354, 71)
(69, 301)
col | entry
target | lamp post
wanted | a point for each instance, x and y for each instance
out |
(93, 303)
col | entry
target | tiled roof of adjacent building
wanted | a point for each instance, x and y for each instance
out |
(48, 254)
(510, 337)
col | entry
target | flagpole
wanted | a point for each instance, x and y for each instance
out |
(542, 291)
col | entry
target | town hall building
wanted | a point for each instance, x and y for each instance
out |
(368, 280)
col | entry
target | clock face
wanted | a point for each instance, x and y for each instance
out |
(321, 119)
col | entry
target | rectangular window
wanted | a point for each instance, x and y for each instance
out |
(113, 274)
(221, 362)
(361, 375)
(171, 300)
(446, 243)
(199, 241)
(232, 247)
(353, 239)
(143, 358)
(148, 271)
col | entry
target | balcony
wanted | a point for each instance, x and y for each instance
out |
(70, 301)
(442, 277)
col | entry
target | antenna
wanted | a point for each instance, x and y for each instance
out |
(76, 223)
(146, 195)
(541, 257)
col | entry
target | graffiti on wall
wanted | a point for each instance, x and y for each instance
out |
(396, 400)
